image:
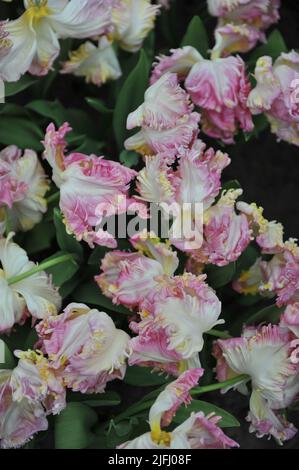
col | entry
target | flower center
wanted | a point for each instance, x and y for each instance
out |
(161, 437)
(37, 9)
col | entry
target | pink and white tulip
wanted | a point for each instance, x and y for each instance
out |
(241, 23)
(219, 87)
(128, 277)
(34, 295)
(290, 318)
(91, 188)
(85, 347)
(35, 380)
(277, 95)
(28, 394)
(23, 185)
(34, 36)
(168, 341)
(97, 64)
(197, 432)
(166, 119)
(19, 420)
(132, 21)
(281, 274)
(226, 233)
(268, 235)
(265, 354)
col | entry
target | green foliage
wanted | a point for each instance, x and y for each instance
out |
(143, 377)
(65, 241)
(14, 88)
(220, 276)
(274, 46)
(62, 272)
(196, 36)
(227, 421)
(73, 427)
(90, 294)
(130, 97)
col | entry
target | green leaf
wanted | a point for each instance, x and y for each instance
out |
(143, 377)
(49, 109)
(90, 293)
(97, 255)
(13, 88)
(274, 46)
(7, 360)
(63, 272)
(227, 421)
(196, 36)
(73, 427)
(69, 286)
(66, 242)
(90, 146)
(219, 277)
(261, 123)
(130, 97)
(129, 158)
(39, 238)
(269, 314)
(99, 106)
(31, 340)
(120, 432)
(149, 46)
(20, 132)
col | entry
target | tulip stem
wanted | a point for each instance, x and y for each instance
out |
(219, 334)
(41, 267)
(219, 385)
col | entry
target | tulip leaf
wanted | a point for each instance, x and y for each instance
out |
(21, 132)
(220, 276)
(73, 427)
(65, 241)
(196, 36)
(129, 158)
(62, 272)
(13, 88)
(143, 377)
(269, 314)
(39, 238)
(90, 293)
(227, 421)
(99, 106)
(49, 109)
(274, 46)
(130, 97)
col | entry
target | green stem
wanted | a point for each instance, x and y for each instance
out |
(219, 334)
(41, 267)
(53, 198)
(219, 385)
